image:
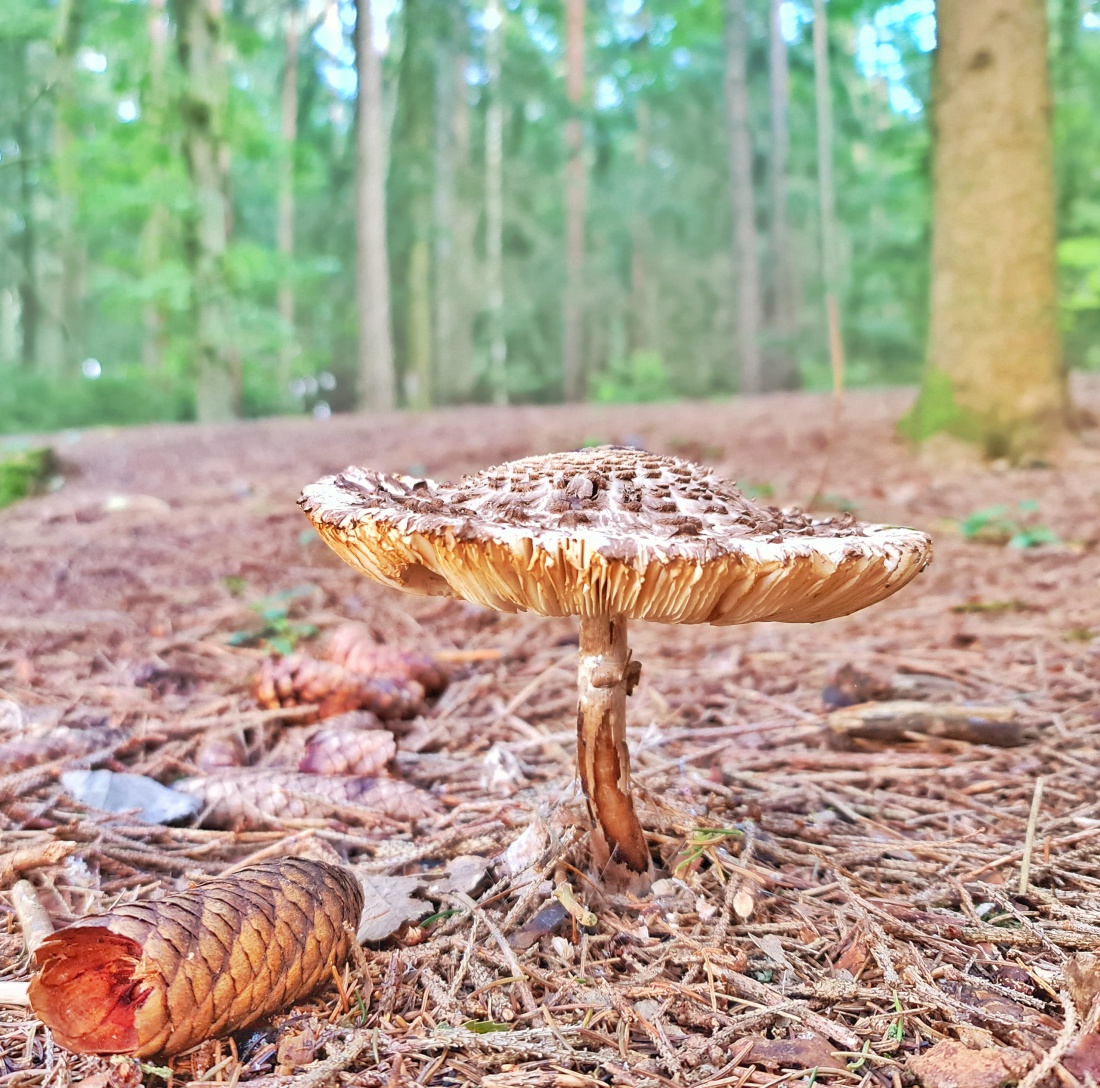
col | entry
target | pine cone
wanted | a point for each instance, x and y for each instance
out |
(342, 751)
(158, 977)
(264, 798)
(300, 680)
(352, 646)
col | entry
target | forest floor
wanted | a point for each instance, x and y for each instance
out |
(827, 914)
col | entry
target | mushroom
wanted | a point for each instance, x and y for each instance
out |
(609, 534)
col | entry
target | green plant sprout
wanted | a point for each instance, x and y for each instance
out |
(996, 525)
(700, 844)
(279, 632)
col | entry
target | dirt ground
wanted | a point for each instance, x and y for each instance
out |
(827, 913)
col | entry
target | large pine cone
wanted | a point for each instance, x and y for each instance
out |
(300, 680)
(158, 977)
(352, 646)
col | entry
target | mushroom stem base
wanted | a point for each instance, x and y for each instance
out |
(605, 678)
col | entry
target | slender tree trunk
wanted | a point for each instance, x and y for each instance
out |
(994, 373)
(152, 235)
(284, 212)
(411, 186)
(1068, 110)
(827, 200)
(747, 286)
(444, 288)
(782, 368)
(70, 15)
(201, 31)
(642, 317)
(494, 206)
(26, 246)
(372, 272)
(573, 370)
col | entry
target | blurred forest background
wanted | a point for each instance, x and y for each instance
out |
(529, 200)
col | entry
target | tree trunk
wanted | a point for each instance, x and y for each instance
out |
(443, 216)
(823, 94)
(29, 310)
(372, 273)
(411, 188)
(152, 235)
(782, 367)
(573, 370)
(284, 212)
(994, 373)
(70, 14)
(201, 31)
(494, 205)
(746, 268)
(642, 308)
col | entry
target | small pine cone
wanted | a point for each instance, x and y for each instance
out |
(218, 753)
(352, 646)
(155, 978)
(270, 798)
(335, 751)
(300, 680)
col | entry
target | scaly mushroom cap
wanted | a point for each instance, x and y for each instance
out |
(609, 531)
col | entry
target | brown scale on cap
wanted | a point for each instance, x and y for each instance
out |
(609, 534)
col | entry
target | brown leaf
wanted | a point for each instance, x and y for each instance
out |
(803, 1050)
(951, 1065)
(158, 977)
(388, 904)
(1083, 1058)
(1082, 974)
(260, 798)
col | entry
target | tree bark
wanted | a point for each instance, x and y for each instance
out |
(746, 267)
(994, 374)
(781, 371)
(411, 209)
(284, 212)
(823, 94)
(642, 309)
(29, 308)
(494, 205)
(152, 235)
(201, 32)
(70, 15)
(372, 274)
(573, 370)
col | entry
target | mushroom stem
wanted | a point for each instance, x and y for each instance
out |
(605, 677)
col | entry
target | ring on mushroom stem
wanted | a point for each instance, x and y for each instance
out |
(609, 534)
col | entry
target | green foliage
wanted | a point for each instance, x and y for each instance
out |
(997, 525)
(26, 472)
(36, 402)
(277, 631)
(639, 379)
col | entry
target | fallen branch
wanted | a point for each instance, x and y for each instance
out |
(896, 721)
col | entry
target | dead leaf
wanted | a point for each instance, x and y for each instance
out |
(112, 791)
(1083, 1058)
(803, 1050)
(467, 873)
(1082, 974)
(951, 1065)
(388, 904)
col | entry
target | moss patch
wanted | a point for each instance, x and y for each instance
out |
(25, 473)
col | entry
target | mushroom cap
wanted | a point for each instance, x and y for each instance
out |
(609, 531)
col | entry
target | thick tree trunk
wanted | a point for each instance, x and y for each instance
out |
(781, 371)
(284, 211)
(26, 246)
(830, 274)
(201, 32)
(494, 206)
(70, 14)
(746, 267)
(152, 235)
(994, 373)
(573, 370)
(372, 274)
